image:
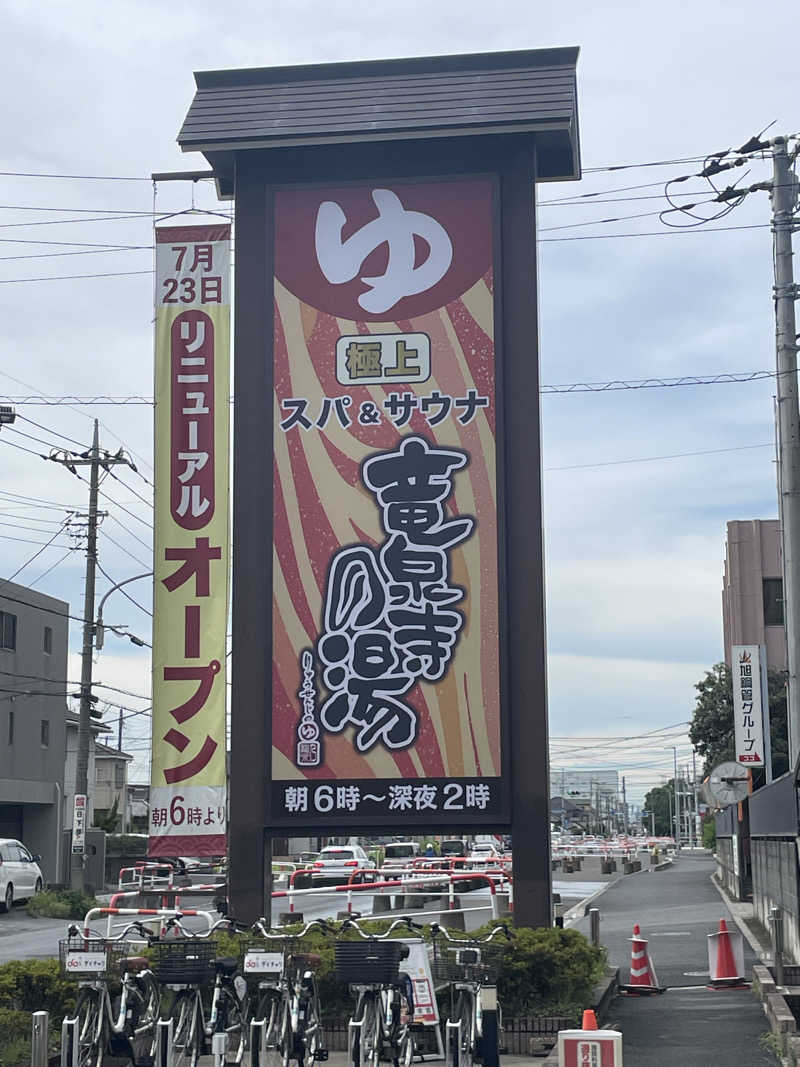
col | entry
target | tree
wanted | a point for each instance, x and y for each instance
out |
(109, 821)
(711, 731)
(659, 801)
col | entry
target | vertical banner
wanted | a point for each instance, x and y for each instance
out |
(191, 550)
(748, 711)
(386, 673)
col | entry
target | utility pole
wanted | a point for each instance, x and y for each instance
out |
(94, 459)
(624, 807)
(677, 804)
(784, 199)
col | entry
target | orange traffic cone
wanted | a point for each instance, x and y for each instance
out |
(723, 968)
(643, 973)
(589, 1020)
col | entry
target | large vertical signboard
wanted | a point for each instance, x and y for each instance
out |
(748, 709)
(190, 603)
(386, 669)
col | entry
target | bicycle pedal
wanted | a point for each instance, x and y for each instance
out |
(321, 1054)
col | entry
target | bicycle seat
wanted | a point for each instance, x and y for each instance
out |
(226, 965)
(307, 959)
(134, 964)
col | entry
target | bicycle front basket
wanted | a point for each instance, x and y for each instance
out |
(94, 957)
(471, 961)
(368, 962)
(183, 961)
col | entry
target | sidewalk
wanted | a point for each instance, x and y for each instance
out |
(688, 1025)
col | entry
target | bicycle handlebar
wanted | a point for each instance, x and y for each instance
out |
(261, 928)
(404, 920)
(438, 930)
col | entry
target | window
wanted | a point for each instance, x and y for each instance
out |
(773, 601)
(119, 775)
(11, 727)
(8, 631)
(45, 733)
(48, 639)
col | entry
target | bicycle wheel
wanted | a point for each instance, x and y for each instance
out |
(313, 1038)
(145, 1029)
(187, 1028)
(369, 1045)
(406, 1047)
(232, 1020)
(267, 1039)
(463, 1041)
(88, 1031)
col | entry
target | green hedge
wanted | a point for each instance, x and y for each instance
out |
(61, 904)
(27, 986)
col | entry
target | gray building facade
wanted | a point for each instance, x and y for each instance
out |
(33, 673)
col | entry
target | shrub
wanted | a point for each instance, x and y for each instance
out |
(709, 834)
(27, 986)
(61, 904)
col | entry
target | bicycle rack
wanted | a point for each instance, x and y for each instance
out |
(258, 1037)
(351, 1026)
(165, 1052)
(69, 1043)
(219, 1047)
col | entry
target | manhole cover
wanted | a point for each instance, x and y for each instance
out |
(696, 974)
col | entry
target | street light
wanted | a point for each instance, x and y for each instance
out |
(100, 626)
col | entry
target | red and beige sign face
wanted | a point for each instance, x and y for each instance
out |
(190, 602)
(385, 693)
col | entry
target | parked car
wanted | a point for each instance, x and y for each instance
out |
(484, 850)
(336, 863)
(20, 874)
(400, 853)
(453, 848)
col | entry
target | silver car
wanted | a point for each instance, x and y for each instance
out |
(20, 875)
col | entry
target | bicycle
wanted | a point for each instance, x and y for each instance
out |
(471, 967)
(287, 1022)
(186, 965)
(100, 1025)
(384, 1010)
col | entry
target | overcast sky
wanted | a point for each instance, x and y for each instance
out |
(635, 542)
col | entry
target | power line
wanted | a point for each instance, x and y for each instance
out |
(652, 459)
(76, 177)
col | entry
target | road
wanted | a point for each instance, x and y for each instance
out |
(22, 937)
(689, 1025)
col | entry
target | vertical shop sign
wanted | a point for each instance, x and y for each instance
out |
(191, 550)
(747, 705)
(386, 673)
(79, 823)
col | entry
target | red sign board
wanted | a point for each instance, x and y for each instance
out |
(385, 691)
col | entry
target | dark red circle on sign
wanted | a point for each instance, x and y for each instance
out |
(463, 208)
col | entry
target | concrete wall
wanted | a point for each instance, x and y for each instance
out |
(752, 553)
(775, 884)
(32, 768)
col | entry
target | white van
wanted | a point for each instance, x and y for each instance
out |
(400, 853)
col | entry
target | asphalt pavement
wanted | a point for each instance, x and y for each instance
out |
(688, 1025)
